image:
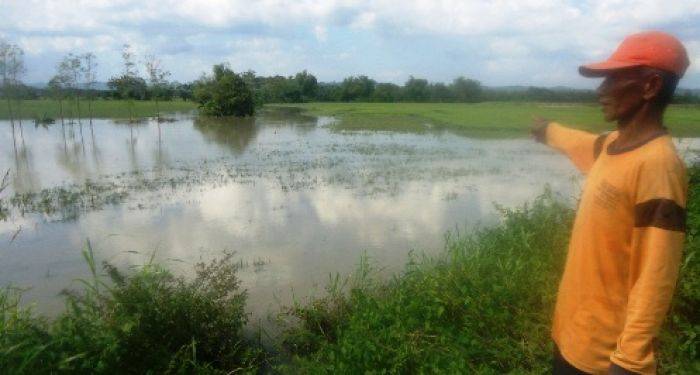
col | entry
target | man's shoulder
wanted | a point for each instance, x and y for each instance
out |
(661, 155)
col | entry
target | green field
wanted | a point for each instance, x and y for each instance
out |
(489, 119)
(46, 108)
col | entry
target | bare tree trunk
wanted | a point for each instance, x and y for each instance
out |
(14, 140)
(65, 143)
(77, 100)
(82, 139)
(60, 109)
(19, 114)
(131, 110)
(90, 108)
(9, 109)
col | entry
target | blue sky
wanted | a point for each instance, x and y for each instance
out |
(499, 42)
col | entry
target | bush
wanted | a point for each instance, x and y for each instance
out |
(680, 337)
(224, 94)
(146, 322)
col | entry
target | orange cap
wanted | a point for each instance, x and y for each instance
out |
(654, 49)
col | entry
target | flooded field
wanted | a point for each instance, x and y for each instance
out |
(295, 199)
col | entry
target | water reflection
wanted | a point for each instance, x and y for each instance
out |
(24, 177)
(235, 133)
(281, 187)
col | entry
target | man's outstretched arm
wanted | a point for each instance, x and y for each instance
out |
(580, 146)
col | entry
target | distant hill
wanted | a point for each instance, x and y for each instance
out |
(519, 88)
(516, 89)
(682, 91)
(100, 86)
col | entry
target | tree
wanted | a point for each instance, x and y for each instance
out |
(329, 92)
(128, 88)
(280, 89)
(158, 79)
(57, 86)
(11, 70)
(308, 85)
(357, 88)
(386, 92)
(89, 70)
(224, 93)
(128, 85)
(70, 71)
(466, 90)
(183, 90)
(256, 84)
(439, 92)
(416, 89)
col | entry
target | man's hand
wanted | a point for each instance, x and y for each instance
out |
(538, 130)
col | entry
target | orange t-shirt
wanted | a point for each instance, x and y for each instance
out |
(624, 253)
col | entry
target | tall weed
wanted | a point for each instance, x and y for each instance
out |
(149, 321)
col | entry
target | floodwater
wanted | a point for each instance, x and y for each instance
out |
(295, 199)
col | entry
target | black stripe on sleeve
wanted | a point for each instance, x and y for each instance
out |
(617, 370)
(598, 145)
(660, 213)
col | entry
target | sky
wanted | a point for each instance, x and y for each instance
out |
(498, 42)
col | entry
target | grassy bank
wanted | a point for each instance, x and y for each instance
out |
(490, 119)
(483, 306)
(46, 108)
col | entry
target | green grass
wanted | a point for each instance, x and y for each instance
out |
(46, 108)
(489, 119)
(484, 306)
(148, 321)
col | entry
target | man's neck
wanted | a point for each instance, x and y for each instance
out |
(647, 122)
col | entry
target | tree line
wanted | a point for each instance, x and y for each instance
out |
(75, 80)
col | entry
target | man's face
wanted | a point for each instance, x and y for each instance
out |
(621, 94)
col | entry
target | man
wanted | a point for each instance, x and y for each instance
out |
(625, 248)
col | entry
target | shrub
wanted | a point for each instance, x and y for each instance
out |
(145, 322)
(680, 337)
(224, 94)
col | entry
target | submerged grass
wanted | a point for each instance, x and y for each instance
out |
(488, 119)
(483, 306)
(50, 109)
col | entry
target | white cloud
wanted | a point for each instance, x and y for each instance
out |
(64, 44)
(321, 33)
(501, 32)
(509, 46)
(694, 54)
(365, 20)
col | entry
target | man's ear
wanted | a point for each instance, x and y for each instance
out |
(652, 87)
